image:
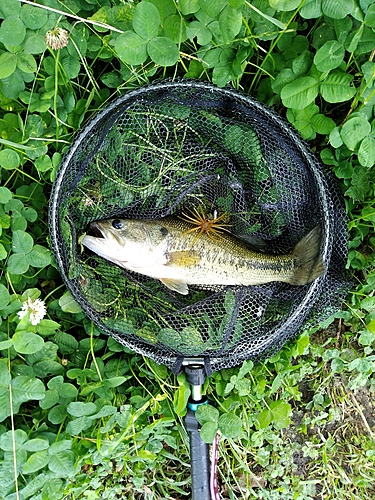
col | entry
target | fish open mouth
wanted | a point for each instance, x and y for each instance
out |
(94, 230)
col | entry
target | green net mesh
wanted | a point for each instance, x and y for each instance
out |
(168, 148)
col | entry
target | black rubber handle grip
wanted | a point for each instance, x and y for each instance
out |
(200, 467)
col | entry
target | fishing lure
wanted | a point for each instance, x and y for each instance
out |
(212, 226)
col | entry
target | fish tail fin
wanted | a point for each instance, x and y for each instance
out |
(308, 263)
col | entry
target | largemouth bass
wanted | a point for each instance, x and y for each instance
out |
(164, 249)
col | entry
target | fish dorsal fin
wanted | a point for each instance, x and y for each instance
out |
(175, 285)
(183, 258)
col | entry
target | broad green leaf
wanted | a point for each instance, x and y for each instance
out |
(207, 413)
(33, 17)
(55, 382)
(212, 7)
(17, 263)
(12, 86)
(47, 367)
(371, 326)
(189, 6)
(6, 344)
(3, 252)
(311, 9)
(230, 425)
(12, 31)
(301, 119)
(4, 296)
(50, 399)
(181, 396)
(278, 413)
(368, 70)
(115, 381)
(175, 29)
(79, 409)
(368, 304)
(354, 38)
(329, 56)
(58, 446)
(367, 336)
(337, 10)
(66, 342)
(222, 74)
(8, 64)
(30, 214)
(39, 256)
(34, 44)
(72, 65)
(27, 342)
(36, 461)
(5, 376)
(230, 22)
(342, 28)
(78, 425)
(300, 93)
(57, 414)
(359, 189)
(13, 440)
(285, 76)
(208, 431)
(67, 391)
(166, 8)
(9, 159)
(36, 444)
(63, 464)
(9, 7)
(19, 223)
(354, 130)
(302, 63)
(47, 326)
(131, 48)
(52, 489)
(105, 411)
(336, 87)
(245, 368)
(32, 293)
(322, 124)
(26, 63)
(281, 412)
(146, 20)
(25, 388)
(5, 194)
(370, 16)
(236, 3)
(68, 304)
(199, 30)
(22, 242)
(284, 5)
(163, 51)
(366, 152)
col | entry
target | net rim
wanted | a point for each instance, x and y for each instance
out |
(119, 104)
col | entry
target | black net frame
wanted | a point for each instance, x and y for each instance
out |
(162, 149)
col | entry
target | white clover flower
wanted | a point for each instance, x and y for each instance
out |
(36, 308)
(57, 38)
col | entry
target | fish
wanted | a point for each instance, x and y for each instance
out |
(165, 250)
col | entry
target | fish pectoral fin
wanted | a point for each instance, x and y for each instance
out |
(175, 285)
(183, 258)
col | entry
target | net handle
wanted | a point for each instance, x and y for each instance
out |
(199, 450)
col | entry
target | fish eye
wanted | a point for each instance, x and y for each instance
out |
(164, 231)
(117, 224)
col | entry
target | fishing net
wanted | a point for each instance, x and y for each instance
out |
(169, 148)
